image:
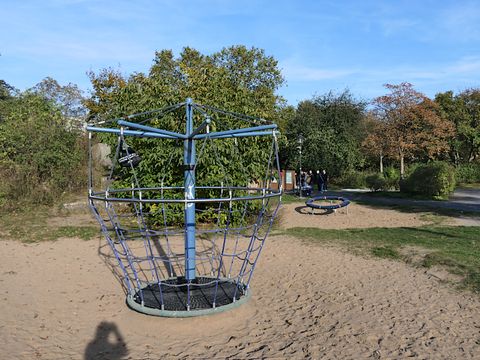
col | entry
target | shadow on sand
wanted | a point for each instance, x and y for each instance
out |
(308, 210)
(107, 344)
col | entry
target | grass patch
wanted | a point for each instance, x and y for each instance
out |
(31, 225)
(434, 219)
(82, 232)
(457, 248)
(385, 252)
(290, 198)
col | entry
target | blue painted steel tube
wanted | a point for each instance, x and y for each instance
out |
(189, 182)
(151, 129)
(239, 135)
(236, 131)
(130, 132)
(200, 128)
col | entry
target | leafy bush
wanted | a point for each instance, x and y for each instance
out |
(391, 172)
(468, 173)
(39, 158)
(352, 179)
(376, 182)
(410, 168)
(434, 180)
(392, 178)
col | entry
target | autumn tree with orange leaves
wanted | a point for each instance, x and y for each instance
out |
(412, 125)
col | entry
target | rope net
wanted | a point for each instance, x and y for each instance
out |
(145, 222)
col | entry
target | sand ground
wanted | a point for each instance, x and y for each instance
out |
(352, 216)
(61, 301)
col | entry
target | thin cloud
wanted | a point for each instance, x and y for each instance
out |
(467, 65)
(398, 26)
(462, 21)
(305, 73)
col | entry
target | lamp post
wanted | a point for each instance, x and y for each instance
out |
(300, 143)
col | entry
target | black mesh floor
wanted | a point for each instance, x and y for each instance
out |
(202, 294)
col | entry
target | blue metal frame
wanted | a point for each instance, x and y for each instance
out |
(189, 157)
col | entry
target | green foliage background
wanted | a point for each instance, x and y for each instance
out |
(40, 157)
(331, 127)
(42, 150)
(236, 79)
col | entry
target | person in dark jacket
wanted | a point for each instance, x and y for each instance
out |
(325, 180)
(320, 182)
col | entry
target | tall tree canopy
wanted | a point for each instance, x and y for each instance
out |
(463, 110)
(236, 79)
(68, 98)
(330, 127)
(413, 125)
(7, 91)
(375, 143)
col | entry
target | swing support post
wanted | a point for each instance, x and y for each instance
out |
(189, 182)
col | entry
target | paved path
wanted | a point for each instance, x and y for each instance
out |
(463, 200)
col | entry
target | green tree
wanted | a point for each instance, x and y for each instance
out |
(236, 79)
(330, 126)
(463, 110)
(6, 91)
(68, 98)
(39, 157)
(7, 94)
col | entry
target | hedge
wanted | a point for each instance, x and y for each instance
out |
(434, 180)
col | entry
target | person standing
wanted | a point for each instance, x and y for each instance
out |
(320, 183)
(325, 179)
(309, 178)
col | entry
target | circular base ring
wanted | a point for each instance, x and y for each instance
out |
(151, 292)
(343, 202)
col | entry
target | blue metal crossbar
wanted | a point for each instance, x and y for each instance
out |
(134, 133)
(151, 129)
(151, 132)
(240, 135)
(228, 133)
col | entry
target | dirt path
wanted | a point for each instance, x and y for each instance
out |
(60, 301)
(462, 200)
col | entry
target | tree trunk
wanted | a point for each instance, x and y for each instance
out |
(381, 164)
(402, 165)
(471, 155)
(456, 158)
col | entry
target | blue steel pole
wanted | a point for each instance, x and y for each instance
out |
(189, 182)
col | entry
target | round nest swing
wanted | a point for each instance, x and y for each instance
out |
(335, 202)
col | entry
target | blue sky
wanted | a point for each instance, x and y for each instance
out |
(320, 45)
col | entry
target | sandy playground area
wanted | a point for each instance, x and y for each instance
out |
(61, 301)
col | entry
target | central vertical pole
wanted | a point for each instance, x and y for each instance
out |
(189, 182)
